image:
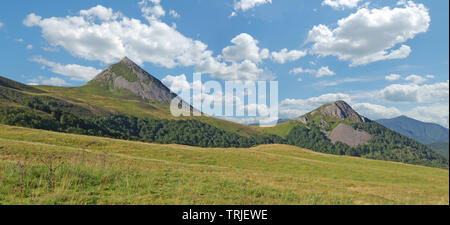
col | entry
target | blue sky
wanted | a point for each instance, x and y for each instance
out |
(386, 58)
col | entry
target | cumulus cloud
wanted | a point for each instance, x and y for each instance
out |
(101, 34)
(341, 4)
(240, 61)
(324, 71)
(152, 9)
(245, 70)
(245, 48)
(176, 83)
(435, 113)
(32, 20)
(414, 93)
(54, 81)
(74, 71)
(245, 5)
(113, 36)
(416, 79)
(371, 35)
(321, 72)
(374, 112)
(287, 56)
(100, 12)
(299, 70)
(393, 77)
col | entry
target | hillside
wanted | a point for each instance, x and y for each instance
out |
(425, 133)
(93, 170)
(125, 94)
(336, 128)
(125, 102)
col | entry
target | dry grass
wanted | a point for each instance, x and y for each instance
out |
(107, 171)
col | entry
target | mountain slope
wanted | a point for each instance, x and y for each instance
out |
(108, 171)
(123, 101)
(129, 76)
(425, 133)
(441, 148)
(337, 129)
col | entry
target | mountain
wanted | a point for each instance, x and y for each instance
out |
(336, 128)
(129, 76)
(328, 118)
(441, 148)
(339, 110)
(425, 133)
(125, 102)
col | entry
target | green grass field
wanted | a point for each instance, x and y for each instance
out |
(41, 167)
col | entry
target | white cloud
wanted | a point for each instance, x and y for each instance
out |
(436, 113)
(32, 20)
(245, 48)
(111, 40)
(152, 9)
(324, 71)
(1, 24)
(299, 70)
(75, 72)
(375, 112)
(371, 35)
(321, 72)
(245, 5)
(341, 4)
(20, 40)
(112, 36)
(239, 61)
(54, 81)
(245, 70)
(100, 12)
(176, 83)
(414, 93)
(286, 56)
(29, 47)
(341, 81)
(393, 77)
(416, 79)
(174, 14)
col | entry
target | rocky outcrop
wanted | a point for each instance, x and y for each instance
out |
(347, 135)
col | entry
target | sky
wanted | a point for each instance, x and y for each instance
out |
(386, 58)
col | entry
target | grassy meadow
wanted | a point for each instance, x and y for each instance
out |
(42, 167)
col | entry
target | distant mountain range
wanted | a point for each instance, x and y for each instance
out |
(426, 133)
(126, 102)
(431, 134)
